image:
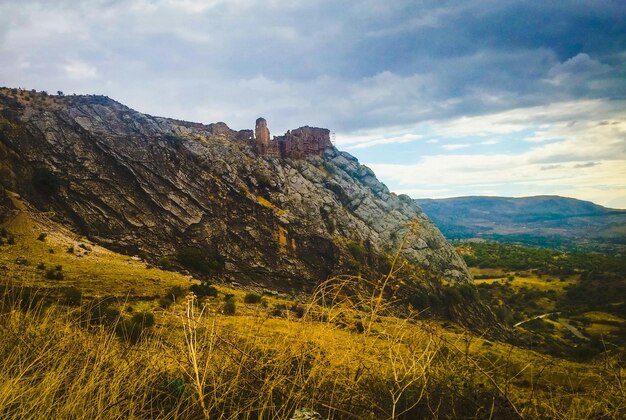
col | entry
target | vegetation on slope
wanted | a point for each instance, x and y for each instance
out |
(574, 302)
(133, 342)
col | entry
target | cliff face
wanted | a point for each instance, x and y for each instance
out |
(135, 182)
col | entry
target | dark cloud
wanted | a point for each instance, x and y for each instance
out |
(586, 165)
(343, 64)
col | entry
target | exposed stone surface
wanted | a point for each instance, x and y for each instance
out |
(134, 182)
(295, 144)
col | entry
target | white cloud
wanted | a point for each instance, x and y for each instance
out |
(455, 146)
(80, 70)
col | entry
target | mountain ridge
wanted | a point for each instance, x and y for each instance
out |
(180, 190)
(548, 220)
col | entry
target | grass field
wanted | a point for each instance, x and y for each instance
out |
(192, 359)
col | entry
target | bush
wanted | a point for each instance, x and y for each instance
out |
(133, 329)
(103, 314)
(203, 289)
(11, 240)
(176, 292)
(55, 273)
(252, 298)
(262, 180)
(42, 236)
(230, 306)
(198, 260)
(72, 296)
(357, 250)
(164, 262)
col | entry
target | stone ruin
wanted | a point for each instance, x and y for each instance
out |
(295, 144)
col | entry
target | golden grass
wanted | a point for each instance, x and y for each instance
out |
(347, 357)
(528, 279)
(96, 270)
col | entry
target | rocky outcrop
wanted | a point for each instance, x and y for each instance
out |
(135, 182)
(297, 144)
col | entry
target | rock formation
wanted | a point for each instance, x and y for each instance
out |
(134, 182)
(296, 144)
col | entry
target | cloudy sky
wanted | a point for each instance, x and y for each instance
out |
(441, 98)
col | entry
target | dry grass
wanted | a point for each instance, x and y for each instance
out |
(199, 363)
(349, 356)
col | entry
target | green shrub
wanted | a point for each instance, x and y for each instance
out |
(42, 236)
(55, 273)
(199, 260)
(176, 292)
(164, 262)
(72, 296)
(203, 289)
(230, 306)
(357, 250)
(133, 329)
(101, 313)
(262, 180)
(252, 297)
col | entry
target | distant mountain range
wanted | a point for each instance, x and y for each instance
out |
(550, 221)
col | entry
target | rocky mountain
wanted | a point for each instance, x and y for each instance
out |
(282, 213)
(541, 220)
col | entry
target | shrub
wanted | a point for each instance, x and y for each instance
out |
(198, 260)
(133, 329)
(176, 292)
(164, 262)
(252, 298)
(42, 236)
(103, 314)
(203, 289)
(55, 273)
(72, 296)
(262, 180)
(230, 306)
(70, 249)
(41, 266)
(11, 240)
(174, 140)
(357, 250)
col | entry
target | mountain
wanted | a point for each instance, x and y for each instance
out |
(283, 213)
(542, 220)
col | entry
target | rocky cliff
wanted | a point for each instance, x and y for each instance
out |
(186, 191)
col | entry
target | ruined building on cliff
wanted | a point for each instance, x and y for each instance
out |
(295, 144)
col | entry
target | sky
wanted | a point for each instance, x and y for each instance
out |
(440, 98)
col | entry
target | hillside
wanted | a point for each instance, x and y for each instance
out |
(91, 333)
(542, 220)
(230, 206)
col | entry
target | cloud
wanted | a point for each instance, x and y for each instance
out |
(454, 146)
(533, 81)
(80, 70)
(586, 165)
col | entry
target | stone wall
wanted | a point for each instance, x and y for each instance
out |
(295, 144)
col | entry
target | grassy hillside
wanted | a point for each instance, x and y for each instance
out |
(114, 338)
